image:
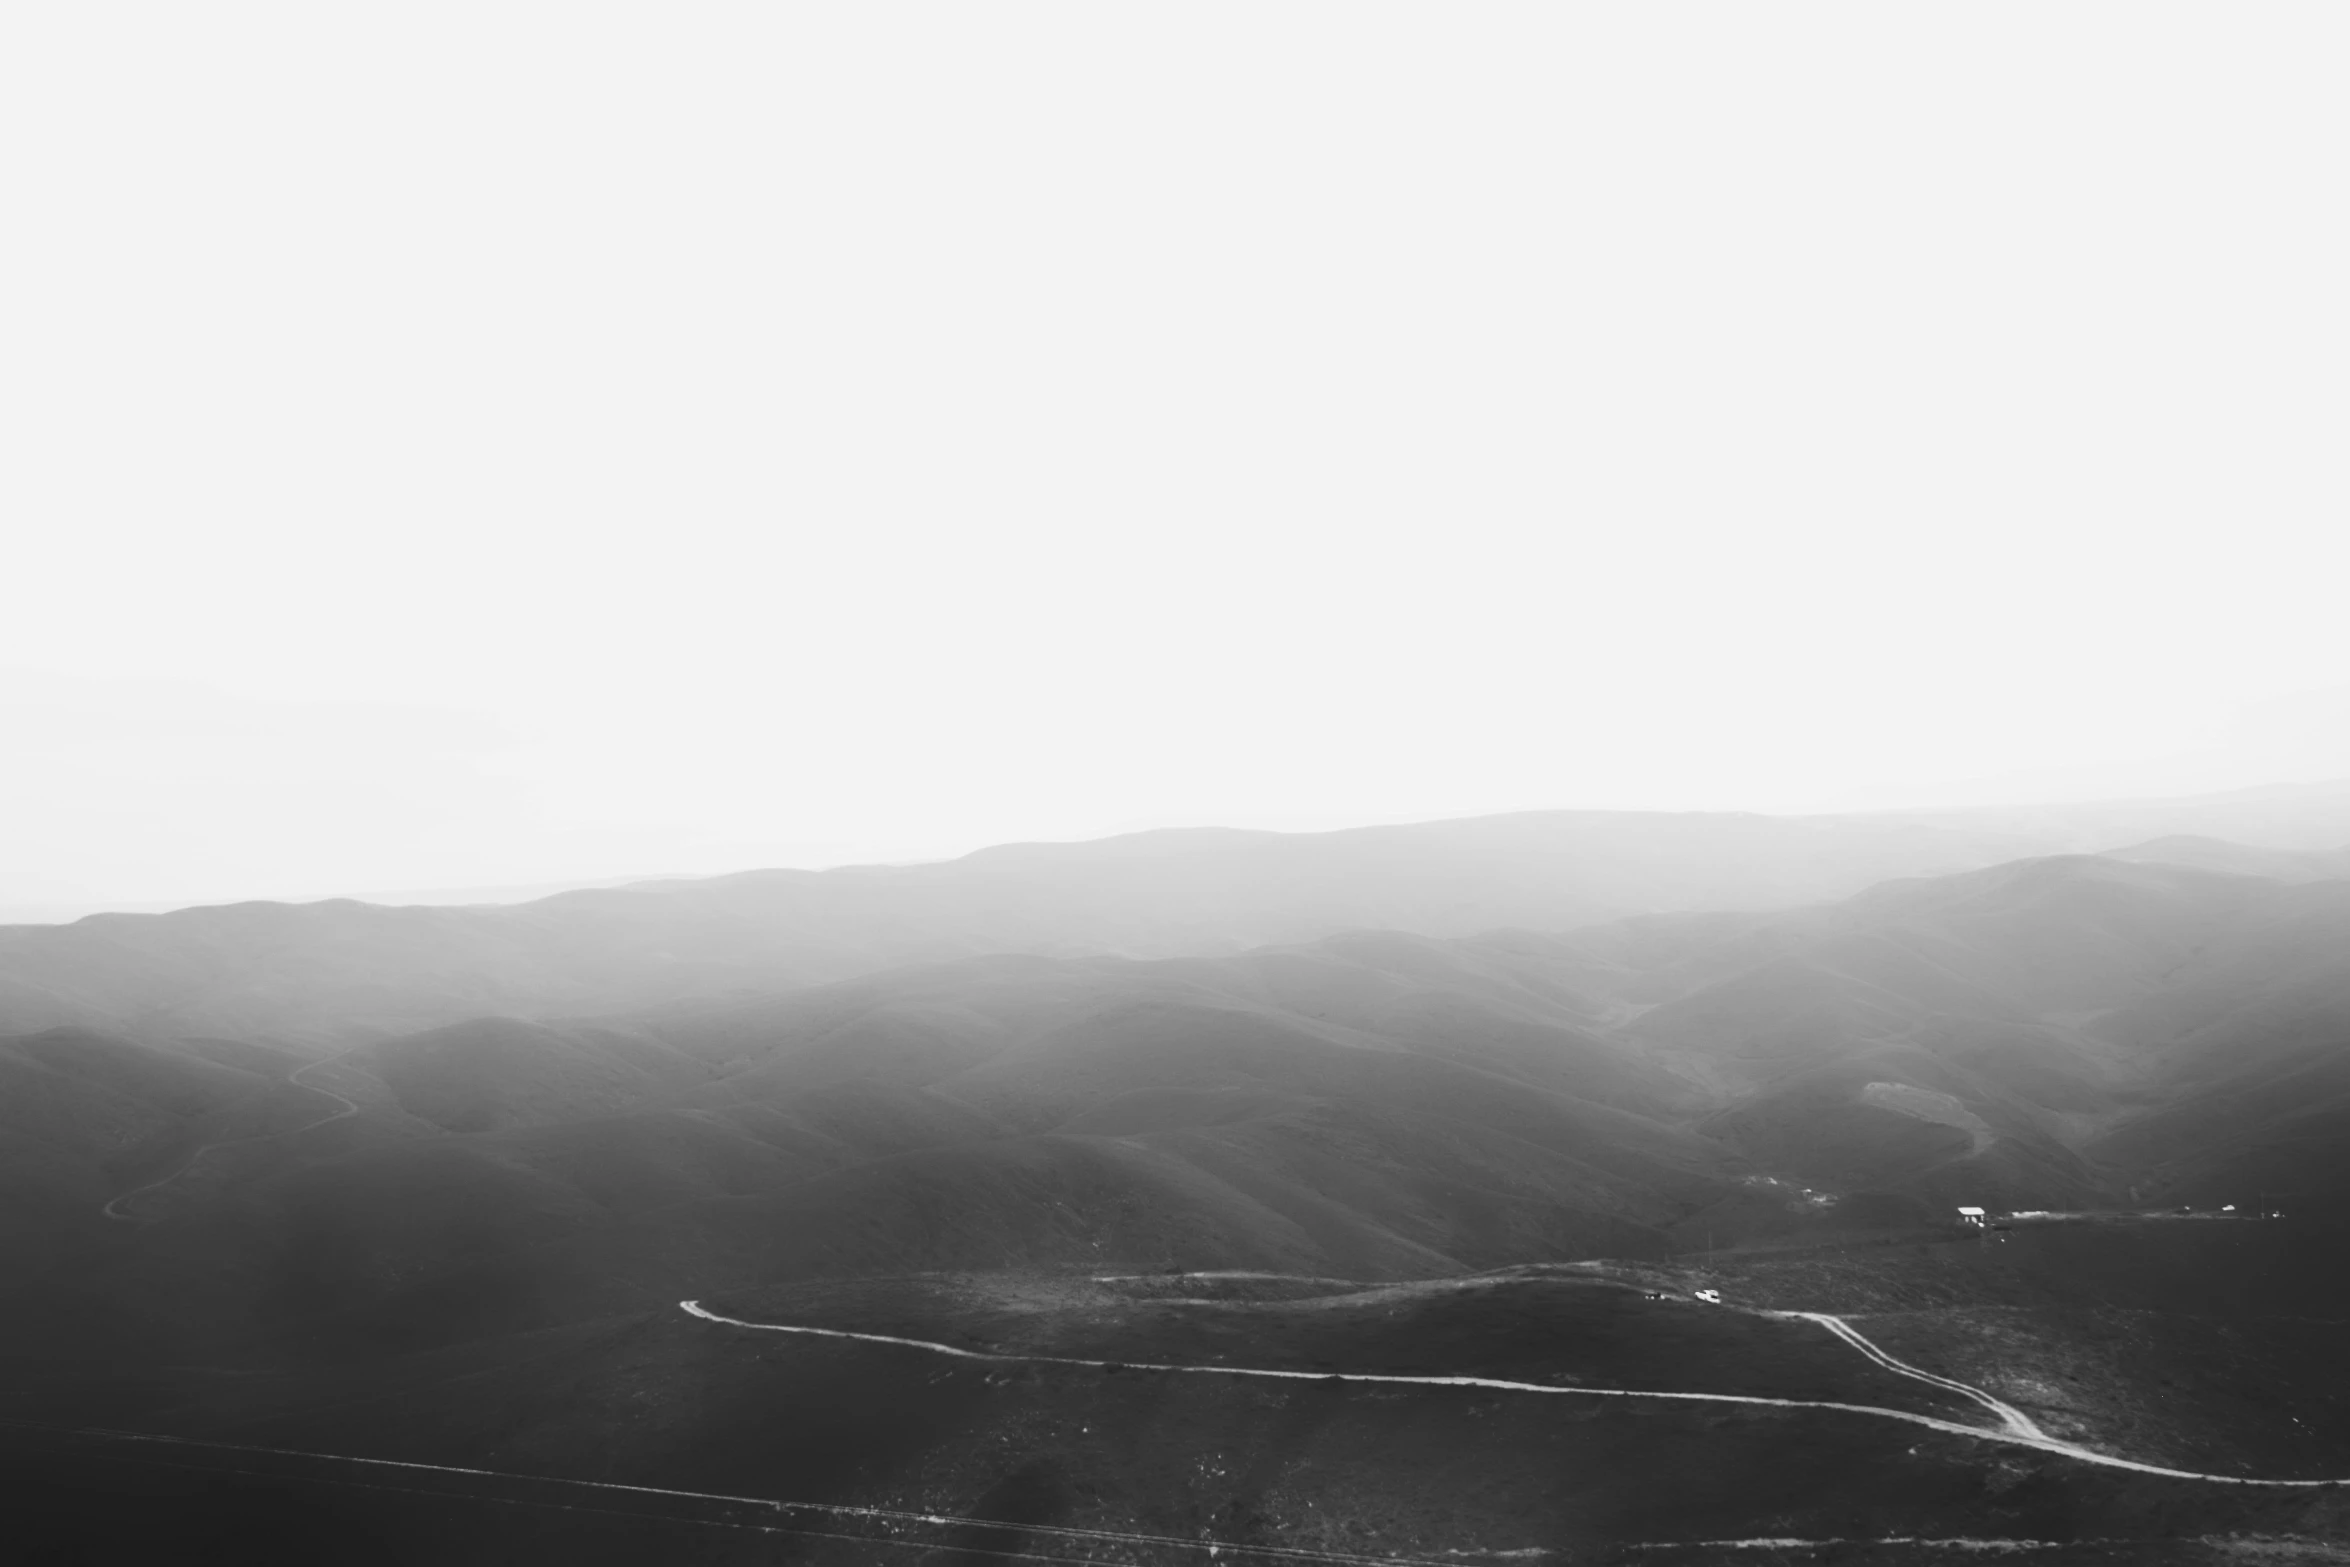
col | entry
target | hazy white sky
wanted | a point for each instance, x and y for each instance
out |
(465, 443)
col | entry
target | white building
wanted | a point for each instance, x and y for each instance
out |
(1972, 1218)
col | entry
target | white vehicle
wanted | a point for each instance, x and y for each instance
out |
(1710, 1297)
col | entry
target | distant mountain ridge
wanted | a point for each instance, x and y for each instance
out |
(2043, 1032)
(1389, 1052)
(2240, 859)
(342, 970)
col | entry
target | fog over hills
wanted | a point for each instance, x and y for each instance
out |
(343, 970)
(2300, 816)
(2042, 1032)
(2218, 854)
(339, 1141)
(1306, 785)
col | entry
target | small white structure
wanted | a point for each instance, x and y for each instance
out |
(1710, 1297)
(1972, 1218)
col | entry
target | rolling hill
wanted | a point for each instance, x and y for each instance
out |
(660, 1436)
(463, 1241)
(2049, 1032)
(340, 970)
(1373, 1103)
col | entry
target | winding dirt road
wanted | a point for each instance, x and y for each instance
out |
(113, 1208)
(916, 1527)
(2015, 1420)
(2015, 1427)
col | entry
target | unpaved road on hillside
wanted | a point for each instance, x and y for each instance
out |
(907, 1529)
(2016, 1421)
(896, 1527)
(2015, 1427)
(113, 1208)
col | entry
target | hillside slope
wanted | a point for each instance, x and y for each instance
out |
(2045, 1033)
(343, 970)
